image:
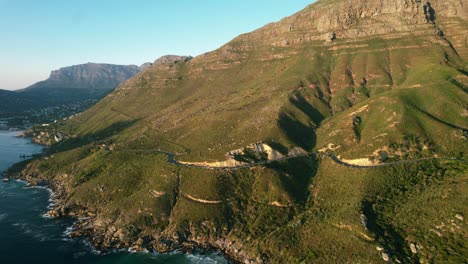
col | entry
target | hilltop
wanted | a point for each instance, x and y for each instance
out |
(369, 81)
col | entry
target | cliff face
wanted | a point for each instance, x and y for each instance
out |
(359, 78)
(88, 76)
(352, 21)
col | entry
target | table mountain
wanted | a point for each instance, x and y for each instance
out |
(88, 76)
(76, 87)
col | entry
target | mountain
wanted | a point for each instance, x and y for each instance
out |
(88, 76)
(374, 91)
(11, 100)
(71, 89)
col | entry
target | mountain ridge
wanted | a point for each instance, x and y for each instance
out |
(88, 76)
(373, 81)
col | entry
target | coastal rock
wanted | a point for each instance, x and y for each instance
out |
(53, 213)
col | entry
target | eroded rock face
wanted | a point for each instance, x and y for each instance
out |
(326, 21)
(359, 18)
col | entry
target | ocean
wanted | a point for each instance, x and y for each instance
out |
(26, 236)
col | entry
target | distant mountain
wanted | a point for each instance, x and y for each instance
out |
(88, 76)
(14, 101)
(77, 86)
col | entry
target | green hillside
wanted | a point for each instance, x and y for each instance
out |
(373, 81)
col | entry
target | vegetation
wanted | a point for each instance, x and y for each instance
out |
(421, 205)
(249, 155)
(403, 93)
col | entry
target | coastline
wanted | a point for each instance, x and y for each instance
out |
(84, 220)
(84, 225)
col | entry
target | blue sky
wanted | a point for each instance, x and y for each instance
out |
(38, 36)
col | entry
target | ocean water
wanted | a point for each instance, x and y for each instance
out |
(28, 237)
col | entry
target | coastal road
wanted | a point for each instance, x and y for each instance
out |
(338, 161)
(171, 158)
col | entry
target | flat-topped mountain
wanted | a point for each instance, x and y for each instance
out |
(88, 76)
(67, 91)
(211, 151)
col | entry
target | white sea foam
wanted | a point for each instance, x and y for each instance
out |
(51, 193)
(131, 250)
(196, 258)
(46, 216)
(52, 202)
(204, 259)
(93, 250)
(2, 217)
(68, 230)
(51, 205)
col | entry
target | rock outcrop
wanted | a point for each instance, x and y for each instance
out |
(170, 59)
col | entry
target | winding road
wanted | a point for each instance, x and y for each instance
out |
(338, 161)
(171, 158)
(202, 201)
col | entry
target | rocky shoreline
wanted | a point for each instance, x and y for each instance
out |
(106, 237)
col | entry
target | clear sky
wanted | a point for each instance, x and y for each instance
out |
(37, 36)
